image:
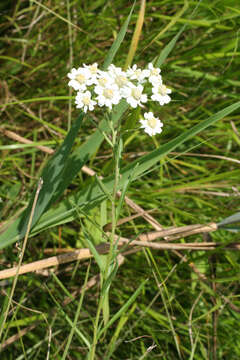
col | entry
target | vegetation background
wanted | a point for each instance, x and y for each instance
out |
(176, 315)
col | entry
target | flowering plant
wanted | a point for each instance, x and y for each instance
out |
(112, 89)
(107, 88)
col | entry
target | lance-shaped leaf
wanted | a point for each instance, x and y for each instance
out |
(51, 177)
(93, 195)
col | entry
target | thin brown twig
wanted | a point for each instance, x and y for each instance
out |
(211, 193)
(207, 155)
(103, 248)
(141, 240)
(17, 336)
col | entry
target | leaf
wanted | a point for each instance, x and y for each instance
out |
(93, 250)
(51, 177)
(123, 308)
(234, 229)
(115, 46)
(166, 51)
(80, 156)
(84, 152)
(123, 192)
(92, 195)
(230, 220)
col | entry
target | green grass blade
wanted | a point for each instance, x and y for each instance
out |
(9, 58)
(103, 188)
(79, 307)
(168, 48)
(93, 250)
(115, 46)
(122, 321)
(107, 283)
(230, 220)
(124, 191)
(151, 159)
(77, 331)
(33, 100)
(123, 308)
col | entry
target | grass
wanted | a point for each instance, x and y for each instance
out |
(160, 307)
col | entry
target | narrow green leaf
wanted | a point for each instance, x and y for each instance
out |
(93, 250)
(103, 188)
(124, 191)
(33, 100)
(84, 152)
(51, 177)
(69, 321)
(122, 321)
(108, 281)
(151, 159)
(234, 229)
(91, 196)
(115, 46)
(9, 58)
(123, 308)
(230, 220)
(166, 51)
(76, 315)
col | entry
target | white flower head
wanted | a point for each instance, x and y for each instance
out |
(94, 71)
(108, 95)
(118, 75)
(79, 78)
(83, 100)
(160, 94)
(151, 125)
(103, 80)
(134, 73)
(133, 95)
(154, 74)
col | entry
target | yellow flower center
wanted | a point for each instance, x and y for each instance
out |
(93, 69)
(108, 93)
(81, 78)
(102, 81)
(86, 100)
(154, 72)
(152, 122)
(121, 80)
(162, 90)
(137, 72)
(136, 93)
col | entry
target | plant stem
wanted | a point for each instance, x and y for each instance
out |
(93, 349)
(114, 196)
(115, 146)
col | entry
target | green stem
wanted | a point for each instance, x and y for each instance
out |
(115, 145)
(95, 339)
(114, 196)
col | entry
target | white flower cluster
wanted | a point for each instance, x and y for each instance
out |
(107, 88)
